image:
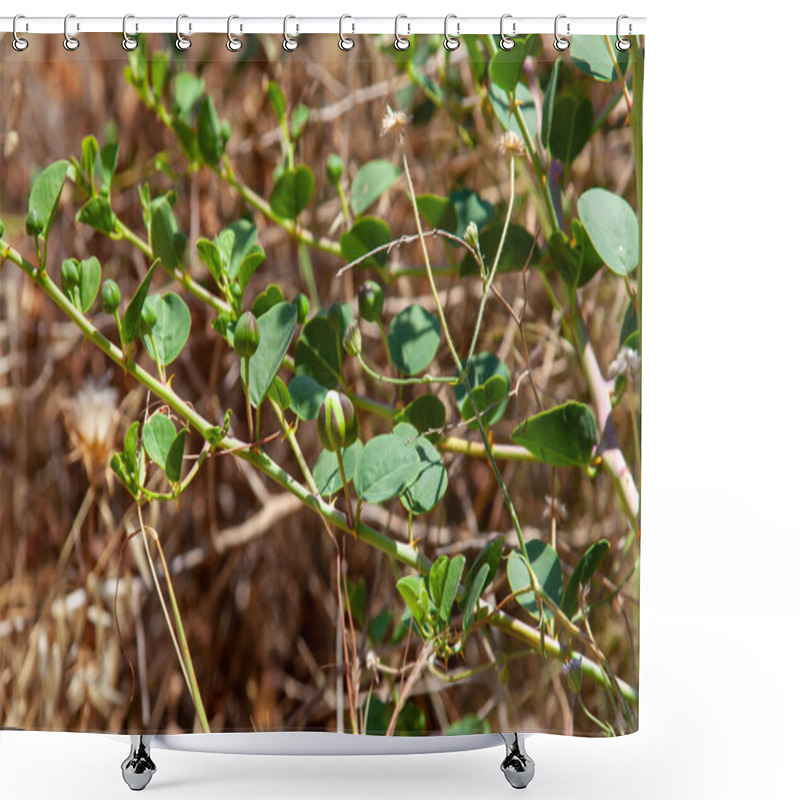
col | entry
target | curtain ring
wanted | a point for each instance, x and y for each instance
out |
(507, 43)
(400, 42)
(289, 42)
(345, 42)
(181, 42)
(451, 42)
(18, 43)
(233, 44)
(623, 44)
(560, 42)
(70, 42)
(128, 42)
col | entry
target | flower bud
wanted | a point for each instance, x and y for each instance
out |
(109, 296)
(337, 424)
(334, 169)
(149, 317)
(246, 335)
(34, 224)
(370, 301)
(70, 274)
(471, 235)
(301, 303)
(352, 339)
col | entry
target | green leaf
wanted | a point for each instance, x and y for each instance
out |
(319, 352)
(519, 250)
(549, 102)
(277, 329)
(498, 97)
(436, 579)
(451, 582)
(164, 235)
(470, 207)
(120, 469)
(385, 468)
(413, 336)
(490, 380)
(237, 243)
(591, 54)
(366, 235)
(437, 211)
(413, 591)
(584, 570)
(46, 191)
(572, 124)
(174, 461)
(89, 283)
(130, 448)
(89, 152)
(505, 68)
(278, 392)
(159, 69)
(590, 258)
(299, 120)
(629, 333)
(430, 485)
(209, 133)
(210, 256)
(277, 101)
(426, 413)
(188, 91)
(472, 595)
(370, 182)
(169, 334)
(133, 313)
(326, 471)
(490, 556)
(468, 726)
(612, 227)
(547, 569)
(108, 166)
(292, 192)
(563, 436)
(306, 396)
(250, 263)
(158, 434)
(98, 214)
(271, 296)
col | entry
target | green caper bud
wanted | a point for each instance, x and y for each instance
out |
(34, 224)
(337, 424)
(334, 169)
(370, 301)
(149, 317)
(246, 335)
(471, 235)
(301, 303)
(352, 339)
(109, 296)
(70, 274)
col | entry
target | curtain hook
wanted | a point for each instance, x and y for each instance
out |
(507, 43)
(623, 44)
(233, 44)
(18, 43)
(345, 42)
(128, 42)
(560, 42)
(400, 42)
(70, 42)
(289, 42)
(181, 42)
(451, 42)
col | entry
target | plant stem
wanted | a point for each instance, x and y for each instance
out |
(343, 475)
(406, 381)
(247, 398)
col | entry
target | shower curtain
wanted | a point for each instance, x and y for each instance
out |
(320, 390)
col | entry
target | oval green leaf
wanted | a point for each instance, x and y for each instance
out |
(430, 485)
(326, 471)
(45, 193)
(564, 436)
(490, 380)
(366, 235)
(169, 334)
(385, 468)
(584, 570)
(306, 396)
(595, 56)
(414, 336)
(370, 182)
(292, 192)
(547, 569)
(573, 119)
(133, 313)
(89, 283)
(613, 228)
(158, 434)
(426, 413)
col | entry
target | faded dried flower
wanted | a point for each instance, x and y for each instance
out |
(626, 362)
(554, 508)
(511, 144)
(394, 123)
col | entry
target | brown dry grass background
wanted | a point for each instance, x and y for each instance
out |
(253, 569)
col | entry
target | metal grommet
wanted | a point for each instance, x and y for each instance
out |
(181, 42)
(400, 42)
(70, 42)
(18, 43)
(507, 43)
(560, 42)
(450, 42)
(345, 42)
(289, 42)
(233, 44)
(623, 44)
(128, 43)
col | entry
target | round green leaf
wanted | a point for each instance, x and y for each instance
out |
(613, 228)
(504, 113)
(306, 396)
(413, 339)
(158, 434)
(490, 380)
(292, 192)
(592, 55)
(426, 413)
(428, 488)
(370, 182)
(326, 471)
(505, 68)
(319, 351)
(547, 569)
(89, 283)
(519, 250)
(385, 468)
(365, 235)
(563, 436)
(171, 330)
(165, 237)
(276, 328)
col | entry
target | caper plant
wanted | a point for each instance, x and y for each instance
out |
(428, 398)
